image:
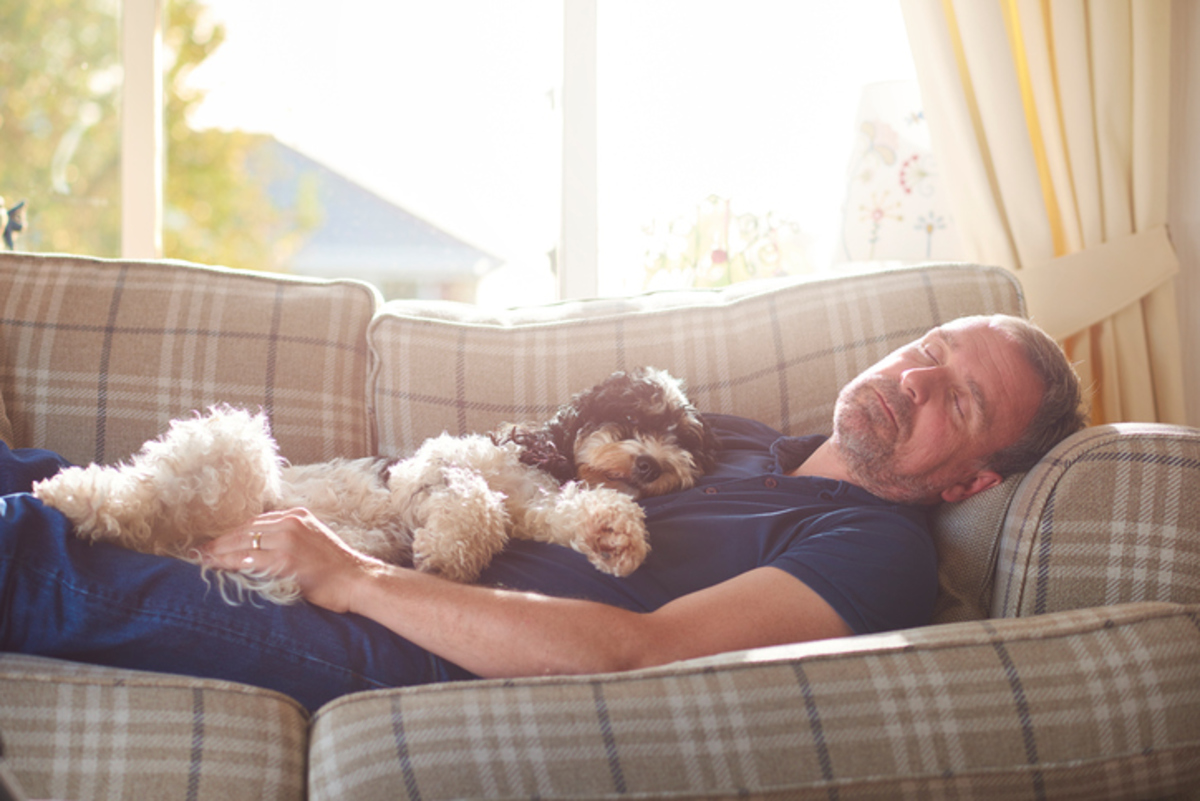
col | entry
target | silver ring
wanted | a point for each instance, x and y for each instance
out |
(256, 540)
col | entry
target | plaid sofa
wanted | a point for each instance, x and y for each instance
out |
(1064, 661)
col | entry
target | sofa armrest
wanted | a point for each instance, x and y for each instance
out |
(1112, 515)
(1097, 703)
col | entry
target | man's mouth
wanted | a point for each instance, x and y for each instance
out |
(887, 409)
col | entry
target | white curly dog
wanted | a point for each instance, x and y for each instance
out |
(447, 509)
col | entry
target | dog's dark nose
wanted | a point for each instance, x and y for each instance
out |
(646, 469)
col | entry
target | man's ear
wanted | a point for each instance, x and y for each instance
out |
(972, 485)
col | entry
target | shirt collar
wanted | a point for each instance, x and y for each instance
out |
(791, 452)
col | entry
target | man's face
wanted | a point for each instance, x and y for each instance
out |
(919, 426)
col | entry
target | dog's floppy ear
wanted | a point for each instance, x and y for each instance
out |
(564, 427)
(550, 446)
(538, 449)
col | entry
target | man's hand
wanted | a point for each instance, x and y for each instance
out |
(295, 543)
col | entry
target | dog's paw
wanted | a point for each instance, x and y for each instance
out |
(613, 535)
(464, 525)
(457, 554)
(434, 553)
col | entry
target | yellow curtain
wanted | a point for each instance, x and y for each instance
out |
(1050, 120)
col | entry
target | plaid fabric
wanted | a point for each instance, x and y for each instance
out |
(1110, 516)
(75, 731)
(777, 353)
(98, 356)
(1080, 705)
(1099, 702)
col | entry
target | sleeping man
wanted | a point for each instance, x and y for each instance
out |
(789, 539)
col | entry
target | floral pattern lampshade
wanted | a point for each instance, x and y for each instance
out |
(896, 206)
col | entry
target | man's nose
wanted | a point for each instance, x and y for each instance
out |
(921, 382)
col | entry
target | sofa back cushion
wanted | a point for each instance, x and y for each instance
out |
(774, 351)
(97, 356)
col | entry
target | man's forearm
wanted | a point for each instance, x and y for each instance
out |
(500, 633)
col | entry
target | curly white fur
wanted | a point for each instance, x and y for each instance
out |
(449, 509)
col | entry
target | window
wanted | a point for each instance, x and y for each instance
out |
(415, 145)
(421, 145)
(726, 130)
(60, 129)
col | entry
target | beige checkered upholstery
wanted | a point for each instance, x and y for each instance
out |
(966, 535)
(1110, 516)
(775, 353)
(1080, 705)
(1090, 689)
(78, 731)
(98, 356)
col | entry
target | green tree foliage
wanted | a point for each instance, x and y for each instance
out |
(216, 207)
(60, 78)
(60, 81)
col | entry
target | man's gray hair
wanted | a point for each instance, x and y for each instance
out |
(1061, 412)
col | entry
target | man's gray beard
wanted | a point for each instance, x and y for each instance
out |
(865, 436)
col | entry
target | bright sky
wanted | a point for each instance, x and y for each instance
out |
(450, 108)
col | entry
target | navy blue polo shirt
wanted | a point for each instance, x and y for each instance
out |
(873, 561)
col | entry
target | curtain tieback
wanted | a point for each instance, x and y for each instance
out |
(1071, 293)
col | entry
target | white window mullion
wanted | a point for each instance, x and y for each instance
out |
(578, 272)
(141, 130)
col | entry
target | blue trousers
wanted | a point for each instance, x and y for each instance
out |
(107, 605)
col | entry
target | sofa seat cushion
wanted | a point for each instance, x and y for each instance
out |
(774, 351)
(97, 356)
(79, 731)
(1086, 704)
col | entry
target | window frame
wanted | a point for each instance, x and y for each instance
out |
(142, 152)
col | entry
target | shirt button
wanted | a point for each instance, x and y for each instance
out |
(710, 490)
(770, 483)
